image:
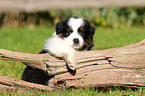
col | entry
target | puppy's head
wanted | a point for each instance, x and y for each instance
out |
(76, 32)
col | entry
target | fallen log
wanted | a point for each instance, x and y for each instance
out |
(123, 66)
(13, 85)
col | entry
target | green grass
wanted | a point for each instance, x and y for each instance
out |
(32, 40)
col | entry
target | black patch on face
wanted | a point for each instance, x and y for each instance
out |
(87, 31)
(63, 29)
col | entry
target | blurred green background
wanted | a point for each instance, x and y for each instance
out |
(102, 17)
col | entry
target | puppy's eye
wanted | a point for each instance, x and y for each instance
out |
(70, 29)
(81, 29)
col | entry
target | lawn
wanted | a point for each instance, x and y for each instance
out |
(28, 40)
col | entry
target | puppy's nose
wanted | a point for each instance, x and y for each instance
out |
(76, 40)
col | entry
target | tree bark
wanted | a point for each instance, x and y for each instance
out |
(123, 66)
(13, 85)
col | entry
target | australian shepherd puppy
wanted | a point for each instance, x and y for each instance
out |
(71, 34)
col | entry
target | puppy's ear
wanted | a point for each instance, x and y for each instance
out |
(90, 43)
(90, 30)
(59, 28)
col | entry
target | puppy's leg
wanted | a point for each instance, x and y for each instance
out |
(71, 60)
(59, 48)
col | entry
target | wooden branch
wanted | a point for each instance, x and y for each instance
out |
(119, 66)
(123, 66)
(13, 85)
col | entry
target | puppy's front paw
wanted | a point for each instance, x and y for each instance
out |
(71, 68)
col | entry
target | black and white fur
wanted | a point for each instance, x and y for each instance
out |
(71, 34)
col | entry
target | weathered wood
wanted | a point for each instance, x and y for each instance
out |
(11, 84)
(7, 88)
(123, 66)
(126, 67)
